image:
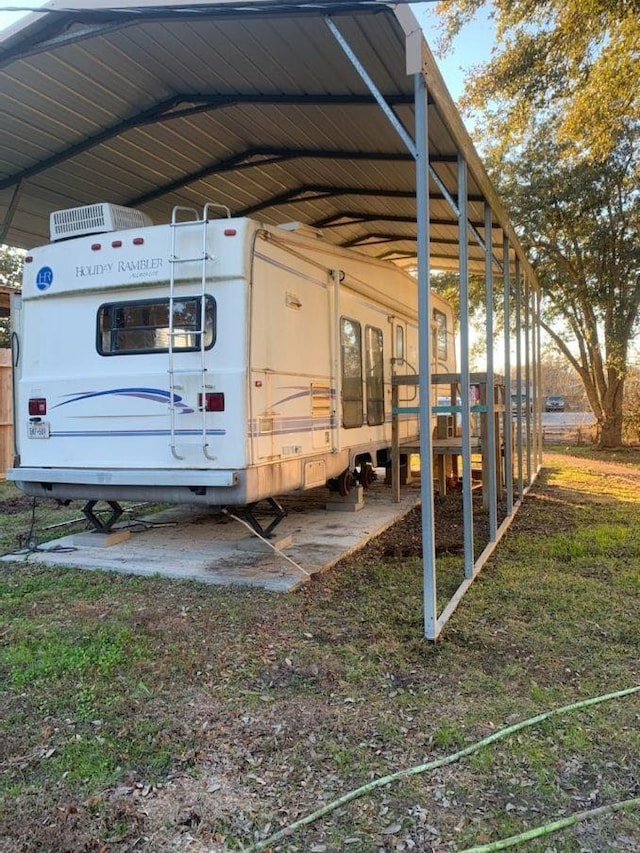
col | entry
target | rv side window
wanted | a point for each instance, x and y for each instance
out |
(351, 346)
(127, 328)
(440, 338)
(375, 376)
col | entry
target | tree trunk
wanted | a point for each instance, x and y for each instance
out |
(611, 433)
(611, 420)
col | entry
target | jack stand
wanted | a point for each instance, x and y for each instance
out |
(96, 522)
(265, 532)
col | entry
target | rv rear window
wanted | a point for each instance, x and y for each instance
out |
(131, 328)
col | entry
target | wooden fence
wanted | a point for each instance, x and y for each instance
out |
(573, 434)
(6, 418)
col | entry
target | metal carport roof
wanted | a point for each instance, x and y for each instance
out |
(253, 105)
(330, 113)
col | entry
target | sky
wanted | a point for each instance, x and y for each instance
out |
(8, 18)
(472, 46)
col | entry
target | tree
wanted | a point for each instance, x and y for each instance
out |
(10, 273)
(579, 223)
(577, 59)
(562, 156)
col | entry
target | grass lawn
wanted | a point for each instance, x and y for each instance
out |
(157, 715)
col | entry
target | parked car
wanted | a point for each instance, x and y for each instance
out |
(554, 403)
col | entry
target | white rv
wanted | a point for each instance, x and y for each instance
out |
(207, 360)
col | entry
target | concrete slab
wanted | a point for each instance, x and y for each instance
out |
(96, 539)
(208, 545)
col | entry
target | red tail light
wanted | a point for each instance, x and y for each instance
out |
(37, 406)
(213, 402)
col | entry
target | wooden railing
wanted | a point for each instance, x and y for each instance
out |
(447, 439)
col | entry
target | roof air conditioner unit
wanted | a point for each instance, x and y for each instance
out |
(95, 219)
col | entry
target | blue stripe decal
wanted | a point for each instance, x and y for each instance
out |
(305, 392)
(157, 395)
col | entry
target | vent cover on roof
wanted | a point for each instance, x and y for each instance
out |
(95, 219)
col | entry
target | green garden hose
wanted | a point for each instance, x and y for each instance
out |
(554, 826)
(451, 759)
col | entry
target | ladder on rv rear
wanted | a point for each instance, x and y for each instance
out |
(177, 225)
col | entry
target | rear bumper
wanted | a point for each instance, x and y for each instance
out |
(214, 488)
(125, 476)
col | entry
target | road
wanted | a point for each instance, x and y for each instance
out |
(567, 419)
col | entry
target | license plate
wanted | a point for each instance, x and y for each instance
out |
(38, 430)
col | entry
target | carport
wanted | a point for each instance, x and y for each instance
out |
(333, 114)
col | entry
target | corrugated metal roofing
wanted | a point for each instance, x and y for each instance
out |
(252, 105)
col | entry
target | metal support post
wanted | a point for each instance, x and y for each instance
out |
(519, 378)
(539, 369)
(395, 443)
(489, 452)
(508, 416)
(527, 372)
(534, 382)
(424, 355)
(463, 250)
